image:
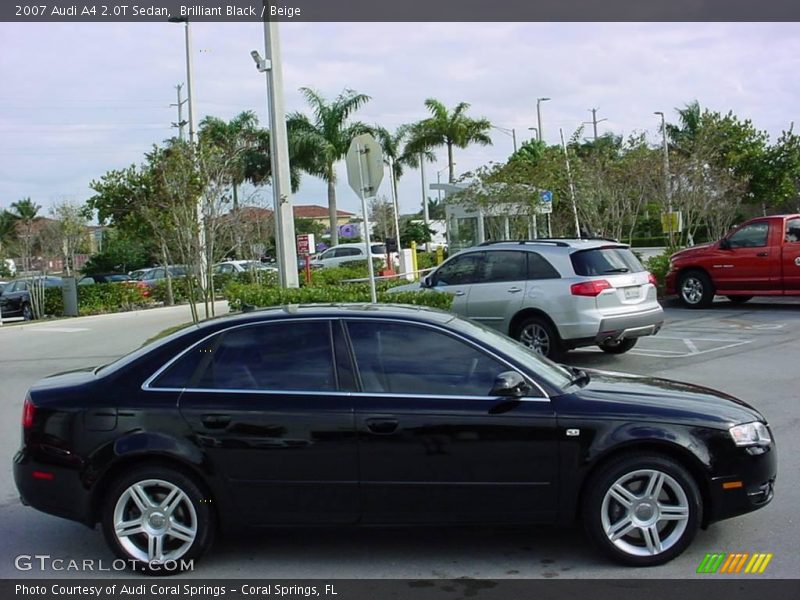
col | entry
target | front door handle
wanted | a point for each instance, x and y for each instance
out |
(382, 425)
(763, 254)
(458, 293)
(216, 421)
(514, 290)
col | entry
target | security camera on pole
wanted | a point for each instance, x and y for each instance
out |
(364, 162)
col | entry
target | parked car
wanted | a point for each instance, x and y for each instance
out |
(103, 278)
(553, 295)
(759, 258)
(343, 253)
(149, 278)
(231, 267)
(15, 297)
(323, 415)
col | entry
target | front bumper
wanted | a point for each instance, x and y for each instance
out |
(750, 488)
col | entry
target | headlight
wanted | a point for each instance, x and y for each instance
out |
(750, 434)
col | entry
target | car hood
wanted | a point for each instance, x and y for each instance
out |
(689, 252)
(414, 286)
(633, 397)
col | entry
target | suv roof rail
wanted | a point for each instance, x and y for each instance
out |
(549, 242)
(585, 239)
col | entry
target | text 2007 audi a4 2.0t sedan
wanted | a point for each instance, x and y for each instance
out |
(380, 415)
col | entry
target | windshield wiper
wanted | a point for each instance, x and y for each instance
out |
(580, 378)
(617, 270)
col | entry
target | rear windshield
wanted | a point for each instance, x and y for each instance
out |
(378, 249)
(605, 261)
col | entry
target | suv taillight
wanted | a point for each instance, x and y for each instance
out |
(28, 413)
(652, 279)
(589, 288)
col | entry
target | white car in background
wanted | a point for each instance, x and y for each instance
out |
(240, 266)
(344, 253)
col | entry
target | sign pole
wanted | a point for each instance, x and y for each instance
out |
(373, 294)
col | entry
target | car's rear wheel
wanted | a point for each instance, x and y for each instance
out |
(540, 336)
(643, 510)
(618, 346)
(157, 519)
(27, 312)
(695, 289)
(739, 299)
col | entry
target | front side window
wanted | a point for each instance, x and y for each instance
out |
(750, 236)
(286, 356)
(349, 252)
(459, 271)
(400, 358)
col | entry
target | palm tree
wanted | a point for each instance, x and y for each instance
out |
(448, 128)
(684, 135)
(321, 142)
(236, 139)
(27, 212)
(8, 231)
(396, 155)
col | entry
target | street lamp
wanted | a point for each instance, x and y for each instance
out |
(279, 156)
(189, 89)
(666, 173)
(536, 132)
(539, 115)
(439, 180)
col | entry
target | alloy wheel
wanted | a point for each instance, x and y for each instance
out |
(645, 512)
(155, 521)
(692, 290)
(536, 337)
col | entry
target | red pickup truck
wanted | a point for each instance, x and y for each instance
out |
(759, 258)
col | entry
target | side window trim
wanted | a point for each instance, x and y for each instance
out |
(531, 381)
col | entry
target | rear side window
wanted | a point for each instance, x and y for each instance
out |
(540, 268)
(605, 261)
(295, 356)
(378, 249)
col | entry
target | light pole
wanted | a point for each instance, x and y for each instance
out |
(667, 193)
(201, 219)
(279, 156)
(439, 180)
(539, 115)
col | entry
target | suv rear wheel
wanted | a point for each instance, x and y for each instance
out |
(539, 335)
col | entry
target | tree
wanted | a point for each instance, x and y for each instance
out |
(414, 231)
(381, 215)
(8, 232)
(27, 213)
(69, 232)
(323, 140)
(450, 129)
(120, 253)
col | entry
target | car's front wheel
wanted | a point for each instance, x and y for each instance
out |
(539, 335)
(157, 519)
(618, 346)
(695, 289)
(642, 510)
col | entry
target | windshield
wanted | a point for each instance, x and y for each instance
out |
(552, 373)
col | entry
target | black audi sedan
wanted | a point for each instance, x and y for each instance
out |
(380, 415)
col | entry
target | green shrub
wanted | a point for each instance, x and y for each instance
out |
(96, 299)
(427, 260)
(239, 295)
(659, 265)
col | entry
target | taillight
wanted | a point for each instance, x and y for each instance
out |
(28, 413)
(589, 288)
(652, 279)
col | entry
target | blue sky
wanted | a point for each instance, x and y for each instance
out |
(79, 99)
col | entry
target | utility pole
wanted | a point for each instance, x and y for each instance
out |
(571, 187)
(667, 191)
(279, 156)
(181, 123)
(425, 216)
(514, 138)
(594, 121)
(539, 131)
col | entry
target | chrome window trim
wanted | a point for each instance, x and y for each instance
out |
(146, 385)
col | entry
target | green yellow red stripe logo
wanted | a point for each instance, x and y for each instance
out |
(734, 562)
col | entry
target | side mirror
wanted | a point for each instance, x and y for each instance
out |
(509, 384)
(426, 281)
(725, 244)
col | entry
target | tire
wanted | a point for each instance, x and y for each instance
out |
(27, 312)
(695, 289)
(540, 336)
(739, 299)
(617, 501)
(619, 347)
(182, 529)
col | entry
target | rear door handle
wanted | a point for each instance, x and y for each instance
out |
(216, 421)
(382, 425)
(514, 290)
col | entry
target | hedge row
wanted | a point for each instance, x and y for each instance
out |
(97, 299)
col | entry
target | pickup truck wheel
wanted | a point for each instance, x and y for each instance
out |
(695, 289)
(739, 299)
(619, 346)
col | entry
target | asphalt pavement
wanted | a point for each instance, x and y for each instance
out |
(751, 351)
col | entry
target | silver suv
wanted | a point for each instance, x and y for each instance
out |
(553, 295)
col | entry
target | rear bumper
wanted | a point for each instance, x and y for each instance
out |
(630, 326)
(52, 489)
